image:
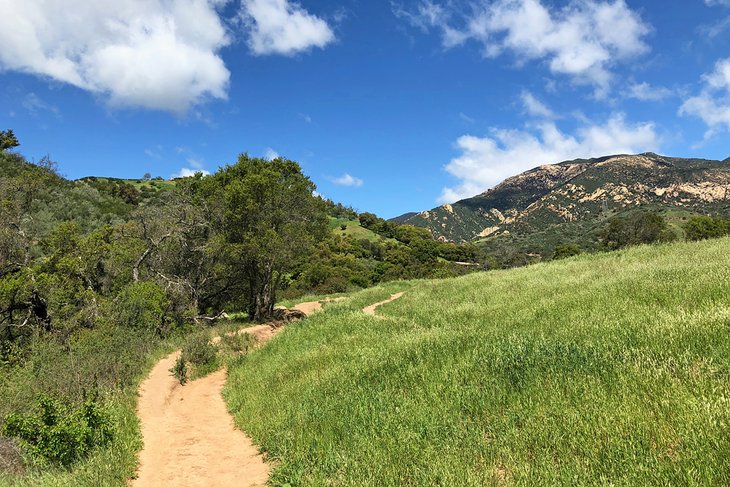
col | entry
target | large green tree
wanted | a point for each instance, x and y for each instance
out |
(267, 219)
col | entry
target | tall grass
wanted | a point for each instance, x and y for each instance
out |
(107, 363)
(609, 369)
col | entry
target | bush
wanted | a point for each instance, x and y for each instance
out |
(59, 434)
(636, 229)
(198, 350)
(563, 251)
(180, 370)
(143, 305)
(238, 342)
(199, 353)
(704, 227)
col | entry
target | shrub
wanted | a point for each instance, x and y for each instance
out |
(238, 342)
(198, 350)
(638, 228)
(198, 353)
(58, 433)
(563, 251)
(180, 370)
(703, 227)
(143, 305)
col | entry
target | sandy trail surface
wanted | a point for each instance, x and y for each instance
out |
(370, 310)
(189, 436)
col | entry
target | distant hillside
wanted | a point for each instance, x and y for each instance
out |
(572, 198)
(132, 191)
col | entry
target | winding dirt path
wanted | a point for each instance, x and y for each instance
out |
(370, 310)
(189, 436)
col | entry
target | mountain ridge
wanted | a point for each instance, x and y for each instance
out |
(581, 190)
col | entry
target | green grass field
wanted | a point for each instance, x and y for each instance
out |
(610, 369)
(355, 230)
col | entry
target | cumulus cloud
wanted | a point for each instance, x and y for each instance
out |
(283, 27)
(535, 107)
(156, 54)
(712, 104)
(583, 40)
(486, 161)
(187, 172)
(348, 180)
(270, 154)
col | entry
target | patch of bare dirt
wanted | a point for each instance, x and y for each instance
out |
(370, 310)
(189, 436)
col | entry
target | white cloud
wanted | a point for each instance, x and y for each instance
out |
(583, 40)
(535, 107)
(195, 163)
(719, 26)
(647, 92)
(712, 104)
(270, 154)
(187, 172)
(486, 161)
(34, 104)
(157, 54)
(347, 180)
(283, 27)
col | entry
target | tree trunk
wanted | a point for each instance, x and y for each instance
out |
(263, 294)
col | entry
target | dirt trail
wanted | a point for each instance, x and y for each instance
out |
(370, 310)
(189, 436)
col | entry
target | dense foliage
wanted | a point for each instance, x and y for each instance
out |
(60, 435)
(8, 140)
(641, 227)
(703, 227)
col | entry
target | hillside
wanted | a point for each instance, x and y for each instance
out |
(609, 369)
(570, 200)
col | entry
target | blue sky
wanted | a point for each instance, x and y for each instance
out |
(388, 106)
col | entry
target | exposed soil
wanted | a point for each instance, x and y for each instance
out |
(370, 310)
(189, 436)
(11, 460)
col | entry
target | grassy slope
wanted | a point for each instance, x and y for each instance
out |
(355, 230)
(603, 369)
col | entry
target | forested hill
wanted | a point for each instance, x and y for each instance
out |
(574, 198)
(235, 240)
(99, 273)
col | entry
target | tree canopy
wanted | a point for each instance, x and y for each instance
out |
(267, 219)
(8, 140)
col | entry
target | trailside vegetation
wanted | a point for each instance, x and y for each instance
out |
(99, 275)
